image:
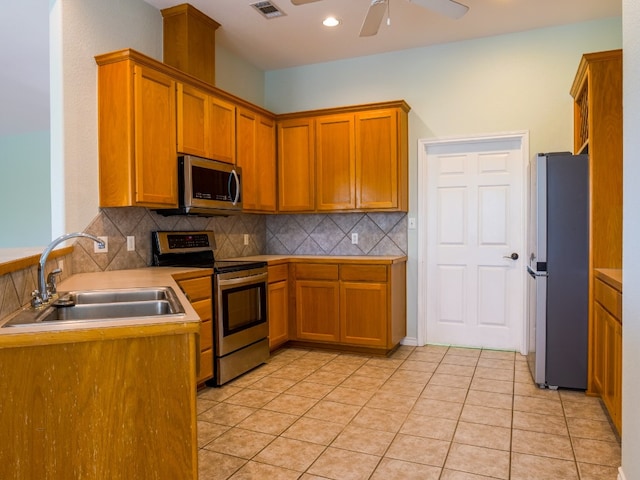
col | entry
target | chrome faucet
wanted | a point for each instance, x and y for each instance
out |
(42, 295)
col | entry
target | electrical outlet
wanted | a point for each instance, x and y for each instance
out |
(246, 239)
(412, 223)
(131, 243)
(354, 238)
(105, 249)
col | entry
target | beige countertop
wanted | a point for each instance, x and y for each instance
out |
(611, 276)
(279, 259)
(52, 332)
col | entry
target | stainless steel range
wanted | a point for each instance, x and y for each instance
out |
(240, 323)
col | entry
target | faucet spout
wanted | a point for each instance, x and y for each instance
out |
(42, 295)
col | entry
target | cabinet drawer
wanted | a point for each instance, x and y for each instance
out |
(363, 273)
(203, 309)
(206, 365)
(206, 335)
(196, 288)
(609, 298)
(278, 273)
(316, 271)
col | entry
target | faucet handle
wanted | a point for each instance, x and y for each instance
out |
(51, 281)
(36, 299)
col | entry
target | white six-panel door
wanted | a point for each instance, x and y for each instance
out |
(474, 217)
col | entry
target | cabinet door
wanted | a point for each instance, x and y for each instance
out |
(296, 164)
(363, 313)
(193, 121)
(256, 155)
(617, 371)
(278, 314)
(266, 164)
(599, 346)
(317, 310)
(222, 130)
(156, 167)
(377, 155)
(611, 389)
(335, 162)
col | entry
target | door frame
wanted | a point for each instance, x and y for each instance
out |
(423, 193)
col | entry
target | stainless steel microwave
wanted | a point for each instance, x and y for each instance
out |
(207, 188)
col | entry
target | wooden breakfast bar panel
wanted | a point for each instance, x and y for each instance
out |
(102, 399)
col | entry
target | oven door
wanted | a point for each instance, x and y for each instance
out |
(241, 309)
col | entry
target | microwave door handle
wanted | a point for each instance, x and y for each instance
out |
(237, 179)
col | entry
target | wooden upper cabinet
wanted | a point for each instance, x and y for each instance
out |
(256, 155)
(193, 121)
(222, 130)
(335, 162)
(296, 165)
(378, 165)
(137, 134)
(206, 125)
(361, 158)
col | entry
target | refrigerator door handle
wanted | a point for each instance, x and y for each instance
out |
(534, 273)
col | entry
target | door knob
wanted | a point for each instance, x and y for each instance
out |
(513, 256)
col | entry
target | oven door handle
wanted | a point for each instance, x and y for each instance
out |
(246, 280)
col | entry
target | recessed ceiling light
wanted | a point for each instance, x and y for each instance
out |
(331, 22)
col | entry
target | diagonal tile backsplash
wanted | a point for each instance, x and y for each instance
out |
(318, 234)
(118, 223)
(304, 234)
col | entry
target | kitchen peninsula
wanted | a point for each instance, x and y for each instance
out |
(112, 399)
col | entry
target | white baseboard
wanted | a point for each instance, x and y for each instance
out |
(410, 341)
(621, 474)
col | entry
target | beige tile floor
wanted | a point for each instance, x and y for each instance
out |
(424, 413)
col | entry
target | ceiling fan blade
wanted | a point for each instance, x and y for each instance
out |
(448, 8)
(302, 2)
(374, 18)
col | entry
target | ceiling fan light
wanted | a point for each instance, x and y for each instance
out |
(331, 22)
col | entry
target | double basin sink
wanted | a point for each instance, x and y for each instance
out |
(93, 305)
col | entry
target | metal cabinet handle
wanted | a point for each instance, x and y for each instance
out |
(513, 256)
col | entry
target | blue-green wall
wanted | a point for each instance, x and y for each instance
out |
(25, 190)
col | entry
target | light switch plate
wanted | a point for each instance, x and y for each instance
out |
(131, 243)
(412, 223)
(354, 238)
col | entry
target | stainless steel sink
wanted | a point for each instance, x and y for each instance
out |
(93, 305)
(117, 295)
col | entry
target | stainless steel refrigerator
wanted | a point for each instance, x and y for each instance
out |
(558, 281)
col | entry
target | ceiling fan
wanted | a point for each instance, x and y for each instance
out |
(377, 8)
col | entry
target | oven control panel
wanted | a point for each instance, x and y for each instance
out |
(196, 240)
(183, 242)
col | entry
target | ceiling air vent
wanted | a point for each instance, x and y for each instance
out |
(268, 9)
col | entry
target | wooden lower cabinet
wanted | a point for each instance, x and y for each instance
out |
(354, 305)
(317, 310)
(363, 313)
(199, 292)
(278, 304)
(606, 349)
